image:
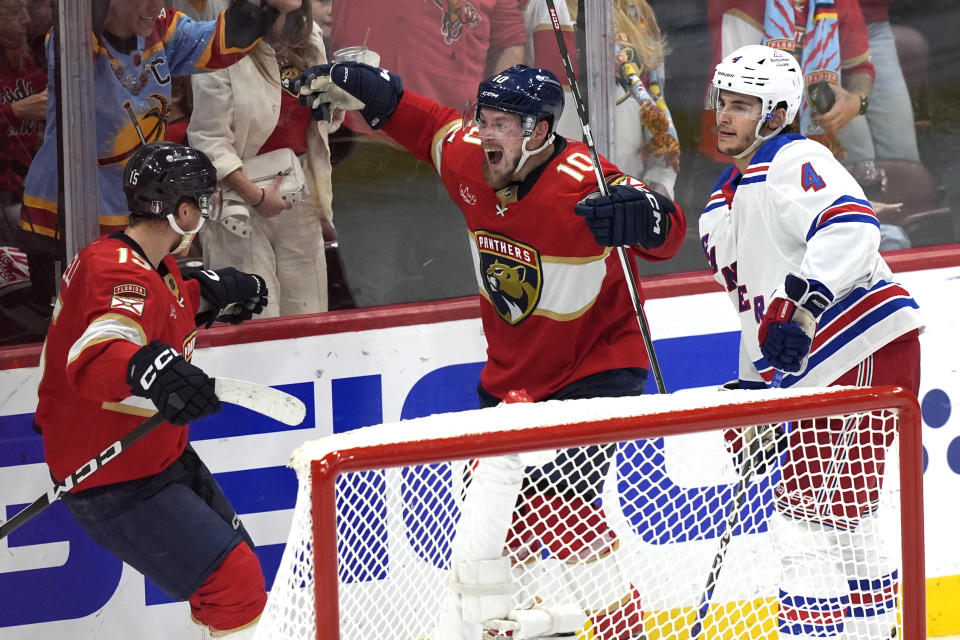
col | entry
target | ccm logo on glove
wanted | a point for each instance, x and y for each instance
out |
(627, 216)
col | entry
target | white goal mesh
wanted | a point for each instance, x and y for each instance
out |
(651, 517)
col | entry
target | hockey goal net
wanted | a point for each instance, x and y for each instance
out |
(649, 517)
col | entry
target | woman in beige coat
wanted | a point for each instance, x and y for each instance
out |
(242, 112)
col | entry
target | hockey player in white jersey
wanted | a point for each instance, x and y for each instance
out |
(792, 238)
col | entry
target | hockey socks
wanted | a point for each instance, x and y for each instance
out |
(234, 595)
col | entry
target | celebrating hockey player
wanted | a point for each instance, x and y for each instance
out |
(118, 349)
(555, 306)
(791, 237)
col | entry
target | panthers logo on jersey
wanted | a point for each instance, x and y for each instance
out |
(511, 273)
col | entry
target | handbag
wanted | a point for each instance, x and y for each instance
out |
(261, 170)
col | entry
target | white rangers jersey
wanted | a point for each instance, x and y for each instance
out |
(796, 209)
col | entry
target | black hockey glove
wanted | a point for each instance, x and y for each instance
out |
(181, 391)
(627, 216)
(754, 448)
(788, 326)
(246, 22)
(229, 295)
(352, 86)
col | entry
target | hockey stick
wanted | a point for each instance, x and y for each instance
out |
(604, 190)
(747, 471)
(262, 399)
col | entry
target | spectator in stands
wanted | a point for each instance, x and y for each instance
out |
(181, 108)
(829, 39)
(23, 108)
(198, 9)
(242, 112)
(134, 62)
(323, 16)
(646, 143)
(938, 19)
(396, 244)
(41, 19)
(887, 130)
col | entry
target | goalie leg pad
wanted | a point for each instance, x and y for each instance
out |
(485, 589)
(545, 621)
(813, 589)
(487, 509)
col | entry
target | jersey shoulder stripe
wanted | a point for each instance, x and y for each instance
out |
(755, 173)
(843, 209)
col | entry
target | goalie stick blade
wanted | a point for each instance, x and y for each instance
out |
(265, 400)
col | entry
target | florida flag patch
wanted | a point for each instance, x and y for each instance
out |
(129, 297)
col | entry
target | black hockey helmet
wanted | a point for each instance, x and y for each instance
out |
(161, 174)
(532, 93)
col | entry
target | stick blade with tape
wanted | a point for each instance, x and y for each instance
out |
(265, 400)
(268, 401)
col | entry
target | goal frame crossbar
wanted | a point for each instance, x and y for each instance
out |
(326, 468)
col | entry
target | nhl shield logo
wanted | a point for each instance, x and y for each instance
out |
(511, 274)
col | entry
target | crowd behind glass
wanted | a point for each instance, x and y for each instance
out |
(356, 222)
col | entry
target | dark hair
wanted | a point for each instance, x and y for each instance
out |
(790, 127)
(295, 39)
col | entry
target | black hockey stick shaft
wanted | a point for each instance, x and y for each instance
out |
(733, 517)
(81, 474)
(266, 401)
(604, 189)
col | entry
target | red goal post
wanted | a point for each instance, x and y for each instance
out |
(342, 544)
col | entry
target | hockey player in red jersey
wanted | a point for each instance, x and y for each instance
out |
(555, 307)
(118, 349)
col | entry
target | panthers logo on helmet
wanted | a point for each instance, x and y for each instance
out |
(512, 275)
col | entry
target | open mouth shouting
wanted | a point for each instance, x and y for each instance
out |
(494, 156)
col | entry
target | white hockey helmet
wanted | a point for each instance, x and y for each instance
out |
(757, 70)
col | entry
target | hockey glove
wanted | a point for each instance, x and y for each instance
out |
(229, 295)
(786, 331)
(181, 391)
(627, 216)
(352, 86)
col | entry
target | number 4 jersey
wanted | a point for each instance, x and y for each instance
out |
(555, 305)
(111, 302)
(796, 209)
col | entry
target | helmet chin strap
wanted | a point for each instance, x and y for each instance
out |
(186, 236)
(758, 139)
(526, 153)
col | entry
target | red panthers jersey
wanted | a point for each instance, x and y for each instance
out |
(111, 303)
(556, 306)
